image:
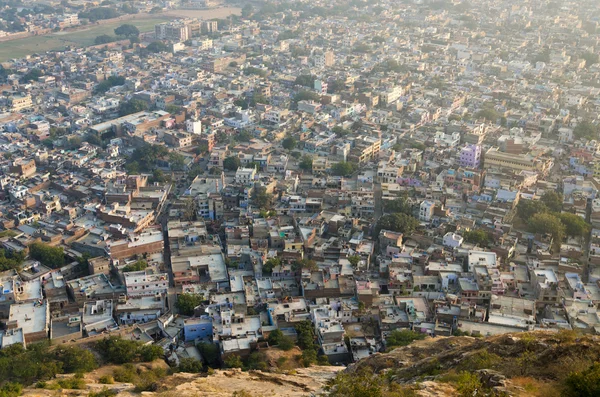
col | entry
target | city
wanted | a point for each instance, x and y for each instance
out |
(324, 176)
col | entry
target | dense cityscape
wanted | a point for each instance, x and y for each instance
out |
(334, 178)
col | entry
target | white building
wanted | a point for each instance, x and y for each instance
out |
(452, 240)
(426, 210)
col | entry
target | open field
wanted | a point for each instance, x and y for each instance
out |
(205, 14)
(80, 38)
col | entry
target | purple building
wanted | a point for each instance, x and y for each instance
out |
(470, 156)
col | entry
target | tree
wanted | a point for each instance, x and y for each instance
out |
(363, 383)
(552, 200)
(399, 204)
(478, 237)
(306, 163)
(132, 106)
(127, 31)
(151, 352)
(104, 39)
(186, 303)
(289, 143)
(340, 131)
(286, 343)
(528, 208)
(403, 337)
(209, 352)
(343, 168)
(53, 257)
(33, 75)
(305, 263)
(107, 84)
(306, 80)
(306, 335)
(336, 86)
(307, 96)
(117, 350)
(590, 58)
(157, 46)
(354, 260)
(547, 224)
(397, 223)
(139, 265)
(176, 161)
(232, 163)
(75, 359)
(488, 114)
(575, 225)
(274, 337)
(233, 361)
(586, 130)
(189, 365)
(261, 198)
(270, 264)
(247, 11)
(584, 383)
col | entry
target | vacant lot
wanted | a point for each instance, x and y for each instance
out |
(79, 38)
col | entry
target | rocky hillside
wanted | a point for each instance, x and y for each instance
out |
(524, 364)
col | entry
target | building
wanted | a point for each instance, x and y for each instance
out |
(470, 156)
(426, 210)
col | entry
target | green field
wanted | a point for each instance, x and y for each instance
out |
(80, 38)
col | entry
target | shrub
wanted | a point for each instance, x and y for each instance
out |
(469, 385)
(286, 343)
(585, 383)
(106, 380)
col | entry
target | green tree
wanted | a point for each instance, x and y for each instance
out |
(305, 263)
(528, 208)
(552, 200)
(397, 223)
(127, 30)
(157, 46)
(306, 335)
(270, 264)
(233, 361)
(584, 383)
(340, 131)
(306, 80)
(151, 352)
(478, 237)
(403, 337)
(289, 143)
(307, 96)
(247, 11)
(132, 106)
(488, 114)
(363, 383)
(210, 353)
(286, 343)
(575, 225)
(176, 161)
(52, 257)
(104, 39)
(399, 204)
(261, 198)
(275, 337)
(117, 350)
(74, 359)
(548, 224)
(306, 163)
(343, 168)
(354, 260)
(190, 365)
(586, 130)
(32, 75)
(232, 163)
(137, 266)
(186, 303)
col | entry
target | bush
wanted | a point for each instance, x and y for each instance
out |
(210, 353)
(403, 337)
(233, 361)
(125, 373)
(469, 385)
(585, 383)
(286, 343)
(190, 365)
(74, 383)
(105, 392)
(151, 352)
(75, 359)
(106, 380)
